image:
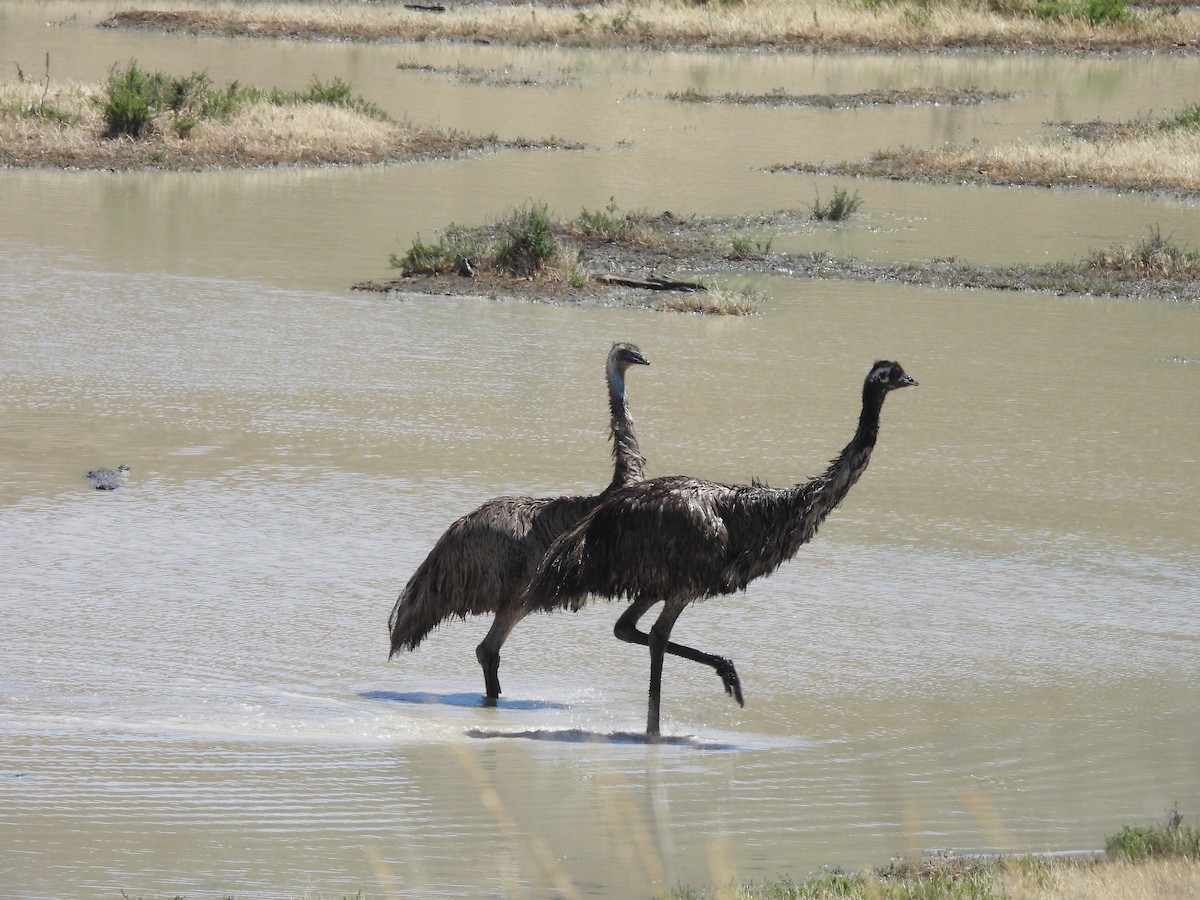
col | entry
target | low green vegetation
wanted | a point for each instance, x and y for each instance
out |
(842, 206)
(1152, 267)
(1130, 853)
(527, 245)
(522, 245)
(609, 224)
(1170, 840)
(1153, 256)
(1185, 118)
(1093, 12)
(136, 99)
(39, 108)
(745, 247)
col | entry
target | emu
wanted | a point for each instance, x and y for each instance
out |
(679, 539)
(483, 562)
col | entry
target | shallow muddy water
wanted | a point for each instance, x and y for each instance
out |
(992, 645)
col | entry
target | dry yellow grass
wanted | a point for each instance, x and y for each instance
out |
(817, 24)
(1147, 159)
(69, 132)
(1156, 879)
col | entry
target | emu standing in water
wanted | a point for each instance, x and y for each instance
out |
(678, 539)
(484, 561)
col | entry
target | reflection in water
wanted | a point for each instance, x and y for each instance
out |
(457, 700)
(989, 647)
(578, 736)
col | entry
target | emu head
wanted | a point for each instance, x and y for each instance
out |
(623, 355)
(888, 375)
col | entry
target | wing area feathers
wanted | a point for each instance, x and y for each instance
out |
(481, 563)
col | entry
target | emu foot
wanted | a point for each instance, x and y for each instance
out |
(729, 677)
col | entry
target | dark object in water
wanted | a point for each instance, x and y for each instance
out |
(107, 479)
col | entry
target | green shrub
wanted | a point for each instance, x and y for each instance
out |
(131, 99)
(528, 241)
(426, 259)
(1140, 842)
(840, 207)
(135, 97)
(442, 258)
(608, 224)
(1186, 118)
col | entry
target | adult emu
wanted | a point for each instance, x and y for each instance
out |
(484, 561)
(678, 539)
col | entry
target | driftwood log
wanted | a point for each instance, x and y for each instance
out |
(650, 283)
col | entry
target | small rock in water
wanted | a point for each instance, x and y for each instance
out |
(107, 479)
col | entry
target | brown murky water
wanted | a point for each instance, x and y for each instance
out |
(992, 646)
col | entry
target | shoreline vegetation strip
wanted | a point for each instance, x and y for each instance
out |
(1055, 26)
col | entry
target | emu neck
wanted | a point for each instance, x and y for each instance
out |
(826, 491)
(629, 465)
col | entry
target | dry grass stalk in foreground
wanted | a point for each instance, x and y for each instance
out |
(64, 127)
(783, 24)
(1141, 862)
(1159, 879)
(1151, 160)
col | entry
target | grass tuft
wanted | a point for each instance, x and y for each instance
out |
(1154, 256)
(527, 244)
(841, 207)
(1185, 118)
(136, 101)
(1171, 840)
(609, 225)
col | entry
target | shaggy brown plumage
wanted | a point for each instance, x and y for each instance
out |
(484, 561)
(678, 539)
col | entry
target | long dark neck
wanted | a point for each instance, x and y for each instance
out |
(629, 465)
(822, 495)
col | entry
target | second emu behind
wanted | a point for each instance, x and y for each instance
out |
(678, 539)
(484, 561)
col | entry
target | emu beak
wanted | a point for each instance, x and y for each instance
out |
(908, 381)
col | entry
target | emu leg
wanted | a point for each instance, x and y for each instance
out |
(626, 630)
(488, 651)
(658, 640)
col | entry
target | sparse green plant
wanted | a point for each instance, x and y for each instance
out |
(842, 206)
(620, 22)
(1152, 256)
(745, 247)
(333, 93)
(528, 242)
(1095, 12)
(608, 224)
(1185, 118)
(1170, 839)
(427, 259)
(918, 17)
